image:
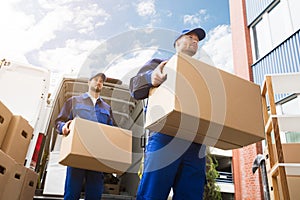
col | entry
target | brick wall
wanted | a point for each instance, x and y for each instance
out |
(247, 185)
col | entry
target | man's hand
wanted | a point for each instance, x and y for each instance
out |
(157, 76)
(66, 129)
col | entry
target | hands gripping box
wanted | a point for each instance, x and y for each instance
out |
(97, 147)
(204, 104)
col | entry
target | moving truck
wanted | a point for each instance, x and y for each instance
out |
(25, 91)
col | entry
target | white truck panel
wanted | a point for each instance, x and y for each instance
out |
(24, 90)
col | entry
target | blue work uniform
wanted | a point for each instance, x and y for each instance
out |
(169, 162)
(83, 107)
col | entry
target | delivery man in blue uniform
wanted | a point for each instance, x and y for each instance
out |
(170, 162)
(88, 106)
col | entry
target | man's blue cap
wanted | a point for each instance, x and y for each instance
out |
(199, 32)
(98, 74)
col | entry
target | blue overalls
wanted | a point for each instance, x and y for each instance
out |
(82, 106)
(175, 163)
(169, 162)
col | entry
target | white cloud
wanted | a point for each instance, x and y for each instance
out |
(196, 19)
(13, 25)
(146, 8)
(88, 17)
(25, 30)
(69, 58)
(124, 68)
(218, 48)
(169, 13)
(52, 4)
(45, 29)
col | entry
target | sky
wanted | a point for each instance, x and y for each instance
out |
(117, 37)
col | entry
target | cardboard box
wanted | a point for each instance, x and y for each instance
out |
(111, 188)
(6, 169)
(5, 116)
(17, 138)
(14, 184)
(29, 185)
(204, 104)
(97, 147)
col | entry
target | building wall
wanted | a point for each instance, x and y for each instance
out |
(247, 185)
(265, 37)
(254, 8)
(241, 43)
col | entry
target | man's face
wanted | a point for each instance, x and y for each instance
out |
(96, 84)
(188, 44)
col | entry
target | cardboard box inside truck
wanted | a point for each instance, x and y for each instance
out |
(13, 187)
(29, 184)
(6, 169)
(97, 147)
(17, 138)
(5, 116)
(201, 103)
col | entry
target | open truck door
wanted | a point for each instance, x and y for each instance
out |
(24, 90)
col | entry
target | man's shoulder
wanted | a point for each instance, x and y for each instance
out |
(77, 97)
(150, 65)
(105, 104)
(155, 61)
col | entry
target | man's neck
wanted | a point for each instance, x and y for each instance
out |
(94, 94)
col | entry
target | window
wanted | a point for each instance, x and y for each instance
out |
(280, 23)
(292, 107)
(262, 38)
(292, 137)
(274, 27)
(294, 6)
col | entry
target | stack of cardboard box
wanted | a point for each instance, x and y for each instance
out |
(16, 181)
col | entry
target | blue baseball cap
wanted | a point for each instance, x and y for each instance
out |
(98, 74)
(199, 32)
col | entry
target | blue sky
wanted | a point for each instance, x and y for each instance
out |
(67, 35)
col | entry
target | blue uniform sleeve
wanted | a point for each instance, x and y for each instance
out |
(63, 116)
(140, 84)
(111, 120)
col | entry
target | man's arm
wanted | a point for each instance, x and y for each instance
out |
(111, 120)
(63, 120)
(150, 75)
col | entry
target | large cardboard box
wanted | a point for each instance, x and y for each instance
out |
(29, 185)
(204, 104)
(5, 116)
(97, 147)
(14, 183)
(17, 138)
(6, 169)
